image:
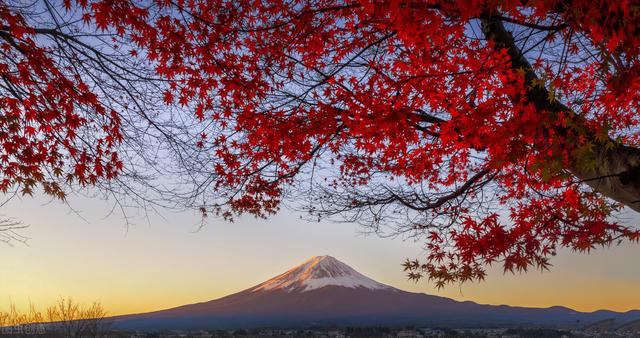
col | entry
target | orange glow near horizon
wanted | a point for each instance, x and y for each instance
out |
(167, 263)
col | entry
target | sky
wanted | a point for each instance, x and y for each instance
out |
(91, 255)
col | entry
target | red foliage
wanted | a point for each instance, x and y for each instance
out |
(45, 113)
(396, 95)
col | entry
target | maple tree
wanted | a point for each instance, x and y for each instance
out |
(498, 131)
(76, 106)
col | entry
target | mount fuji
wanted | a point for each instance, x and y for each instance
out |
(318, 272)
(323, 291)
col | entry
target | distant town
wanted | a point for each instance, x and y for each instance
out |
(357, 332)
(387, 332)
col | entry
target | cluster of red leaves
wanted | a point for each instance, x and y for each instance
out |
(401, 88)
(46, 113)
(288, 82)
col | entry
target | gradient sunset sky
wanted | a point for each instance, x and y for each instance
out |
(169, 262)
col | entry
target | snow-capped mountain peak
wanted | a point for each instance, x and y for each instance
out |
(318, 272)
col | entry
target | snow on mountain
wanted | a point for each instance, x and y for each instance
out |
(324, 292)
(318, 272)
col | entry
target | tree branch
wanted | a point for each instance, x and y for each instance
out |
(616, 173)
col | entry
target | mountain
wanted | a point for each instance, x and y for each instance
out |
(323, 291)
(318, 272)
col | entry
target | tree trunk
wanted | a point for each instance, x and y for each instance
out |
(616, 173)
